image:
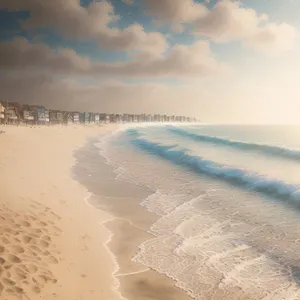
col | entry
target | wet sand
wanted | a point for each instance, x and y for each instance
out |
(129, 226)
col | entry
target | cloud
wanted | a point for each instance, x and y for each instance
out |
(226, 21)
(177, 12)
(95, 22)
(183, 61)
(273, 38)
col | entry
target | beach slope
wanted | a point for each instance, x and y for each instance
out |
(52, 245)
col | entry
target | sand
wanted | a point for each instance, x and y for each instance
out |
(129, 225)
(52, 244)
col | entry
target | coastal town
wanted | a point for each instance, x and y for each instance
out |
(25, 114)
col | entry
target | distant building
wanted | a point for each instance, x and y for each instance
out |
(91, 118)
(148, 118)
(68, 117)
(125, 118)
(28, 114)
(86, 118)
(76, 117)
(12, 112)
(118, 118)
(81, 118)
(97, 118)
(103, 118)
(2, 111)
(41, 114)
(56, 116)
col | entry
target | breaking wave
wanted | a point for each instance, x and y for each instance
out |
(240, 177)
(268, 149)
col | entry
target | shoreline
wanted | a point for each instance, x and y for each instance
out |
(40, 184)
(129, 225)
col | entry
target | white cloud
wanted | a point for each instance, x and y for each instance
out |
(92, 22)
(196, 60)
(226, 21)
(273, 38)
(177, 12)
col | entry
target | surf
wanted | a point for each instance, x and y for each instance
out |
(239, 177)
(282, 152)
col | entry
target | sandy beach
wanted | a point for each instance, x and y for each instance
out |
(52, 245)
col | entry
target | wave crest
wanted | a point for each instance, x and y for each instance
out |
(240, 177)
(267, 149)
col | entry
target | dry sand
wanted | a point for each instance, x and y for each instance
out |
(51, 243)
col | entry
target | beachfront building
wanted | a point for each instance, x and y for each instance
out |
(12, 111)
(56, 117)
(97, 118)
(76, 117)
(118, 118)
(91, 118)
(148, 118)
(86, 118)
(125, 118)
(41, 114)
(28, 114)
(103, 117)
(68, 117)
(112, 118)
(143, 118)
(2, 111)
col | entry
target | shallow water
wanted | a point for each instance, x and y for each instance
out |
(112, 192)
(224, 203)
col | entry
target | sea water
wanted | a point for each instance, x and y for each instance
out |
(228, 205)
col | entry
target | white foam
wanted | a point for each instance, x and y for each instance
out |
(215, 246)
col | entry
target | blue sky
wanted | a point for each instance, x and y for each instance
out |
(223, 54)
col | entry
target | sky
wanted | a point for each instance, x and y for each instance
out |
(221, 61)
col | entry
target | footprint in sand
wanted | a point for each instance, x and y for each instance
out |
(35, 248)
(16, 249)
(44, 244)
(36, 289)
(8, 282)
(41, 223)
(7, 267)
(19, 274)
(8, 274)
(18, 290)
(26, 239)
(38, 231)
(13, 258)
(31, 268)
(33, 218)
(2, 261)
(10, 231)
(24, 223)
(46, 238)
(5, 240)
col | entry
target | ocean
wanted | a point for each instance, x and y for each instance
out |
(220, 212)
